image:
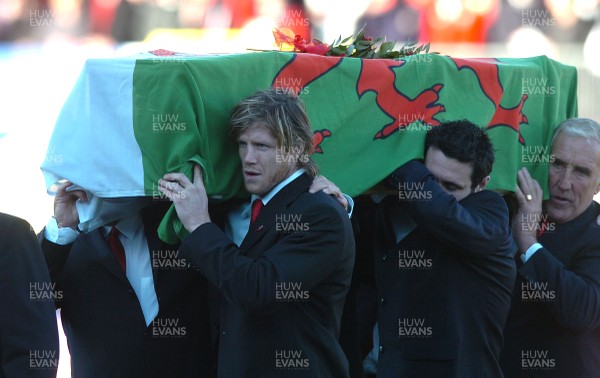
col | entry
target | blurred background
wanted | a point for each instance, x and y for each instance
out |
(44, 44)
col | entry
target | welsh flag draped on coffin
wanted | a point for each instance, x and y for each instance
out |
(128, 121)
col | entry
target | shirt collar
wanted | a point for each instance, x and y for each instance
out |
(278, 187)
(127, 226)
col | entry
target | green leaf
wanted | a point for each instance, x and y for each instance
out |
(387, 46)
(338, 51)
(360, 47)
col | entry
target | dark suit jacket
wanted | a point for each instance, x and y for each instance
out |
(28, 330)
(103, 320)
(445, 289)
(553, 328)
(283, 290)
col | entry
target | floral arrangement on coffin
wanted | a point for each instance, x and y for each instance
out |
(357, 46)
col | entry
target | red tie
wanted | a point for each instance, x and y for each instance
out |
(257, 205)
(117, 247)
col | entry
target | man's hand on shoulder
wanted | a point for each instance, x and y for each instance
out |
(322, 183)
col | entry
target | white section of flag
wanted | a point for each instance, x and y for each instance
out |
(93, 144)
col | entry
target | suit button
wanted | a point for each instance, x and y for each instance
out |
(381, 349)
(132, 293)
(384, 257)
(223, 333)
(382, 301)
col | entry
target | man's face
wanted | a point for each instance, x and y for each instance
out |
(574, 177)
(263, 164)
(453, 176)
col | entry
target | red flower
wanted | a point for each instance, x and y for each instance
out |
(299, 44)
(317, 47)
(313, 47)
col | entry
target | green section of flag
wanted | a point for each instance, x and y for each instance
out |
(182, 105)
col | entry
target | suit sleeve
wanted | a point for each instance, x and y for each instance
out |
(576, 305)
(296, 258)
(475, 226)
(28, 329)
(56, 256)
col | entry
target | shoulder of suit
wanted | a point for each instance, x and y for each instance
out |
(596, 210)
(485, 195)
(11, 224)
(593, 225)
(487, 199)
(319, 200)
(14, 231)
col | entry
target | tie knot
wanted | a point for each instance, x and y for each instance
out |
(114, 233)
(257, 205)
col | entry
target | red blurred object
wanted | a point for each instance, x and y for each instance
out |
(102, 15)
(242, 11)
(468, 27)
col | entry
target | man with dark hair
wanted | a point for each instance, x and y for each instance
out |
(283, 288)
(553, 328)
(444, 261)
(460, 141)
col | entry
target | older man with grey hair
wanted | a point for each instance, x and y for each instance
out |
(553, 329)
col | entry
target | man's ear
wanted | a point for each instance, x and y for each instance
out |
(482, 184)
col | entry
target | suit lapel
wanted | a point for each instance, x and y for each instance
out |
(277, 205)
(569, 233)
(152, 217)
(96, 244)
(168, 281)
(154, 244)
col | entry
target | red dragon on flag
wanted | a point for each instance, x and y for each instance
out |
(488, 76)
(376, 75)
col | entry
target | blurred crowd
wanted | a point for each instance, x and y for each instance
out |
(401, 20)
